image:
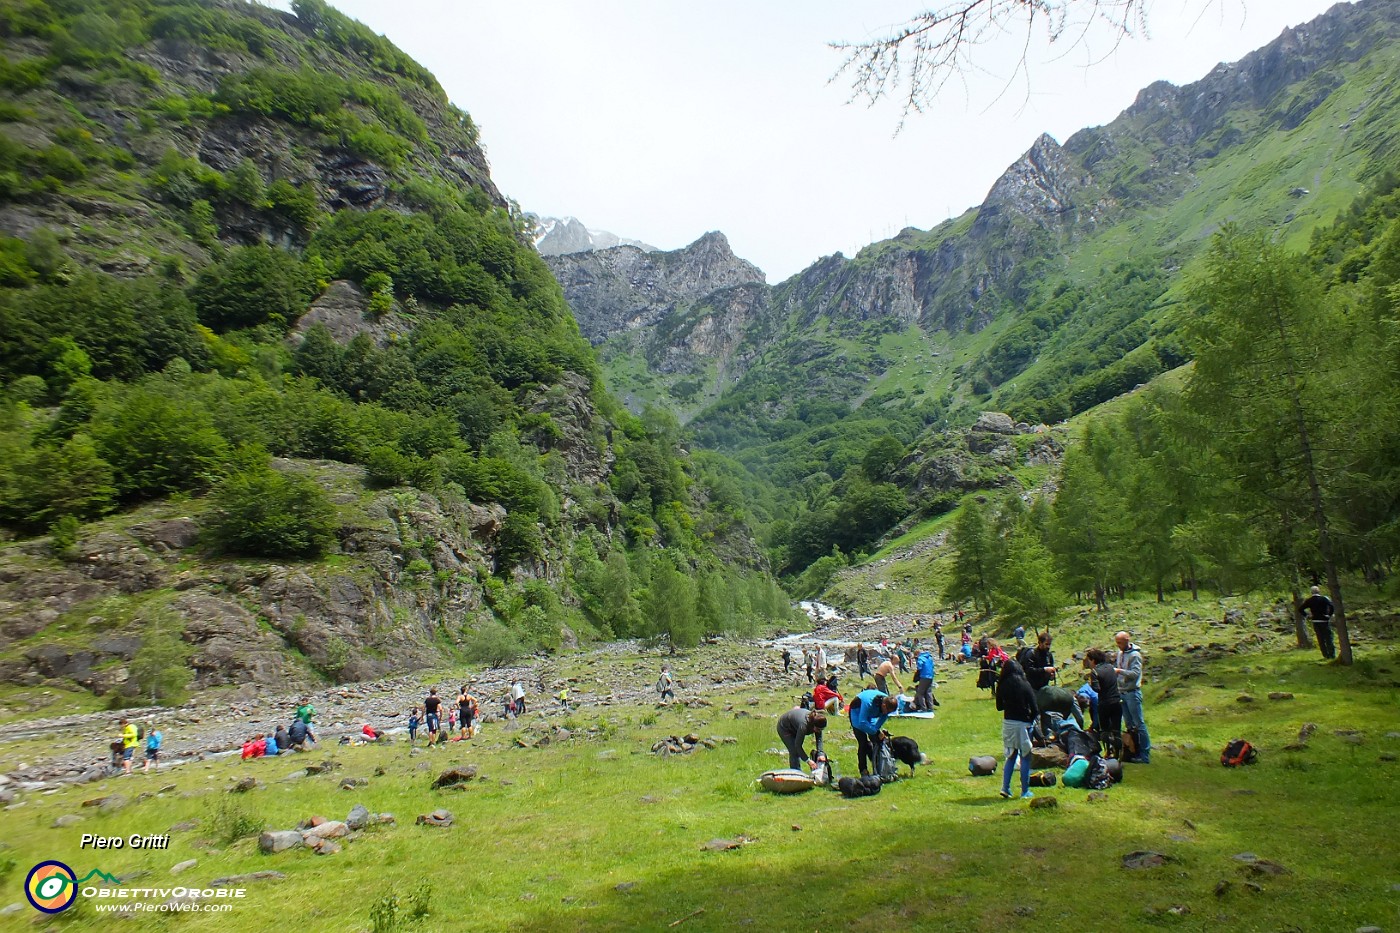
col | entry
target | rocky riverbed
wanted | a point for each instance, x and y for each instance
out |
(614, 674)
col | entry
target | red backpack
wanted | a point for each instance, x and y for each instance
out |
(1238, 752)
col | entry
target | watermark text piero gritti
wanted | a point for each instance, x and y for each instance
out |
(134, 841)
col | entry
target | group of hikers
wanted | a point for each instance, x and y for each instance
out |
(299, 736)
(463, 715)
(130, 737)
(1035, 708)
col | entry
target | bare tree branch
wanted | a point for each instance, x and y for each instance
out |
(917, 59)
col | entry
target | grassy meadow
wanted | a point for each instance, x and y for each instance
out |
(595, 832)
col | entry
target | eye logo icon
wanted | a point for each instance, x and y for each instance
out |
(51, 887)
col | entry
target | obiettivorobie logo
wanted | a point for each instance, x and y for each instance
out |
(52, 886)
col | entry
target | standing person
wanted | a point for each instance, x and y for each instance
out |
(807, 663)
(1319, 608)
(129, 740)
(884, 671)
(862, 661)
(665, 684)
(823, 661)
(1020, 636)
(1016, 700)
(1039, 663)
(1129, 669)
(466, 713)
(413, 722)
(1110, 716)
(432, 706)
(938, 637)
(868, 713)
(787, 661)
(923, 671)
(306, 712)
(153, 740)
(517, 693)
(793, 728)
(902, 657)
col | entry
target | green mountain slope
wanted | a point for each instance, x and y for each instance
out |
(287, 387)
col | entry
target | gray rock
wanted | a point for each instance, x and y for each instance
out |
(186, 865)
(358, 818)
(1145, 859)
(233, 881)
(279, 841)
(66, 820)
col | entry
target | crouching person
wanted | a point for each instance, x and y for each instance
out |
(793, 728)
(868, 712)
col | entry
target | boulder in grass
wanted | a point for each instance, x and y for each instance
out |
(1143, 859)
(454, 776)
(442, 818)
(331, 829)
(274, 841)
(1052, 756)
(358, 818)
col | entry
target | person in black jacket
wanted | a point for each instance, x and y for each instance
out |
(1039, 662)
(1105, 681)
(1016, 700)
(1320, 608)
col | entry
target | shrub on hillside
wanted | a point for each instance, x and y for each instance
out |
(260, 512)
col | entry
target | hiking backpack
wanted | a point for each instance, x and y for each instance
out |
(886, 768)
(1238, 752)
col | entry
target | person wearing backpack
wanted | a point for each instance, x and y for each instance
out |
(153, 740)
(1128, 667)
(1016, 700)
(665, 684)
(1319, 608)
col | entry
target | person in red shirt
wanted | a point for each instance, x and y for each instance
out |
(822, 694)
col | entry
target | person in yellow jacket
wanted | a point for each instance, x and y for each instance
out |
(129, 740)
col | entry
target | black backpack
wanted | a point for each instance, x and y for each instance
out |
(1238, 752)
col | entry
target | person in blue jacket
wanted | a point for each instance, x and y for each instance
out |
(868, 712)
(923, 676)
(271, 742)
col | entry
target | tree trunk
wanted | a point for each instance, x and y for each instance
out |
(1300, 625)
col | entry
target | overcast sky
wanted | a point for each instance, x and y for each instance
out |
(661, 120)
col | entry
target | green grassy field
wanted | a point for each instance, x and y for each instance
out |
(595, 832)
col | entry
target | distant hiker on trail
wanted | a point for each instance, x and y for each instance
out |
(665, 684)
(414, 721)
(923, 671)
(1129, 669)
(466, 713)
(862, 661)
(938, 637)
(886, 670)
(793, 728)
(517, 693)
(1110, 717)
(1016, 701)
(153, 740)
(787, 660)
(129, 740)
(1319, 608)
(1020, 636)
(807, 663)
(869, 710)
(825, 697)
(563, 697)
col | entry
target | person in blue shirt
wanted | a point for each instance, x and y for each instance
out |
(923, 676)
(153, 740)
(868, 713)
(271, 743)
(1088, 695)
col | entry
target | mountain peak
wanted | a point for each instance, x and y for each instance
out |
(558, 236)
(1039, 184)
